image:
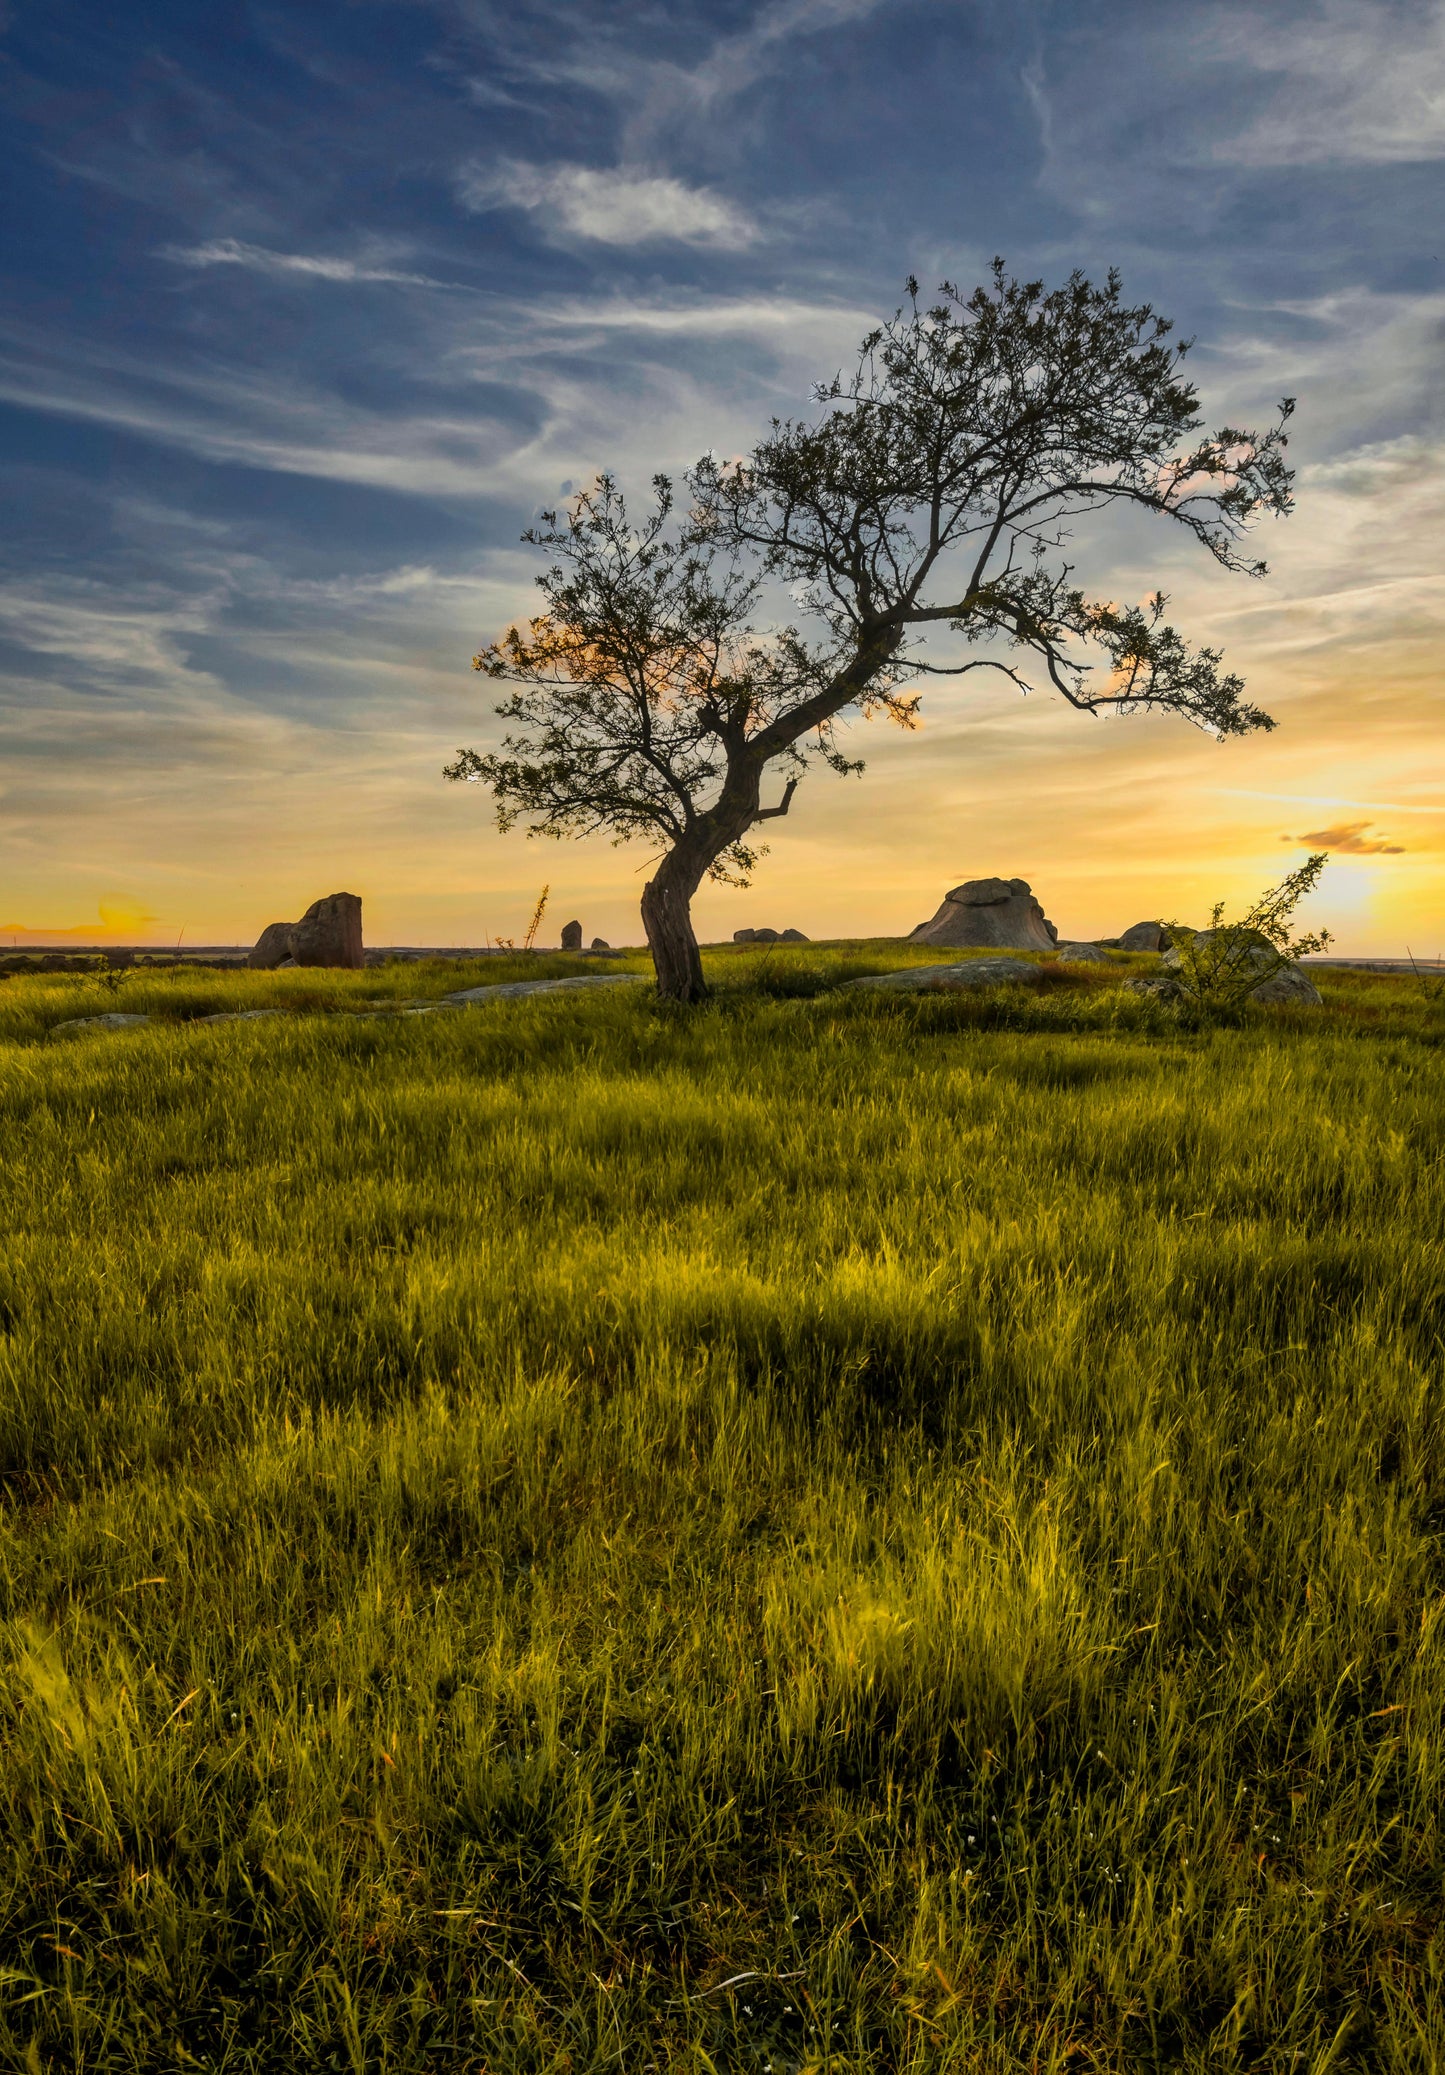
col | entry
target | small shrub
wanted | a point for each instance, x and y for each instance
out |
(1220, 967)
(1431, 984)
(536, 922)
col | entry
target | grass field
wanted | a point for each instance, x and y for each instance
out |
(820, 1532)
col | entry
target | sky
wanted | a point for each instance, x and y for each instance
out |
(309, 311)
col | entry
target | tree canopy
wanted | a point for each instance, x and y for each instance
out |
(933, 493)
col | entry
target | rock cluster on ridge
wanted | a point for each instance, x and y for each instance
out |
(997, 913)
(1282, 980)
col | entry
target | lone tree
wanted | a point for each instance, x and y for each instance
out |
(934, 491)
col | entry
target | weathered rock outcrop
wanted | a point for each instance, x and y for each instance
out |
(1288, 982)
(1145, 936)
(329, 933)
(989, 912)
(1083, 954)
(272, 947)
(769, 936)
(571, 936)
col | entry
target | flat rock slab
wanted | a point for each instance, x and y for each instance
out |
(117, 1019)
(514, 990)
(950, 979)
(235, 1016)
(1084, 954)
(113, 1019)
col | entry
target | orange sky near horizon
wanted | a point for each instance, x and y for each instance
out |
(1110, 821)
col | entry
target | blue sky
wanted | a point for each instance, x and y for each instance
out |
(309, 310)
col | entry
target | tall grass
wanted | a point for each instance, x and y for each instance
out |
(817, 1533)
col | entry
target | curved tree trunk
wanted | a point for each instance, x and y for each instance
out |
(667, 919)
(667, 897)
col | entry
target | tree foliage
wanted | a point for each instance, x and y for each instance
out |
(636, 682)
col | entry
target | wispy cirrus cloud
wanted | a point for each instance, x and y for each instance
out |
(736, 62)
(1208, 105)
(494, 400)
(616, 205)
(260, 259)
(1359, 83)
(654, 94)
